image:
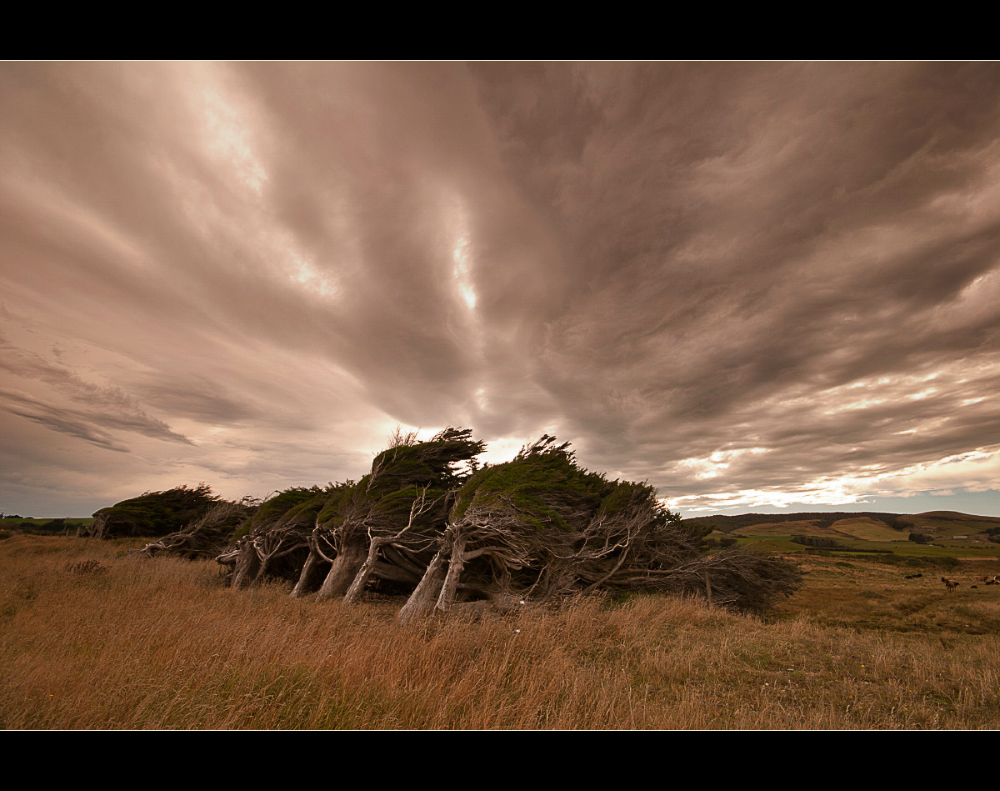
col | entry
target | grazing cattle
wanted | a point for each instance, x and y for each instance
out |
(949, 584)
(913, 576)
(994, 580)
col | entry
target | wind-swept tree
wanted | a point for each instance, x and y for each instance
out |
(152, 513)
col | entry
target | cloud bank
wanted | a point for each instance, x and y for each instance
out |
(749, 284)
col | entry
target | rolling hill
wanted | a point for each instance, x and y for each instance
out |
(860, 526)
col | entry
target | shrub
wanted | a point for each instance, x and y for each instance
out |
(152, 513)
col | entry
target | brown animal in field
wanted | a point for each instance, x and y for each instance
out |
(993, 580)
(949, 584)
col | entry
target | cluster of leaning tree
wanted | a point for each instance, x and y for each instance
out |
(430, 523)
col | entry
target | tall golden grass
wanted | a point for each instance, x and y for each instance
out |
(94, 638)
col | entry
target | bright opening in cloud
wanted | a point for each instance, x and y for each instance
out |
(228, 125)
(463, 278)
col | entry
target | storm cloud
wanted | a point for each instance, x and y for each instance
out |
(751, 284)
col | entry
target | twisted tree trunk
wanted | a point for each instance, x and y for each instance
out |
(424, 597)
(247, 564)
(306, 576)
(361, 578)
(345, 568)
(456, 563)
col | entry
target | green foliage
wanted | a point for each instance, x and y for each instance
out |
(621, 497)
(290, 500)
(239, 532)
(154, 513)
(338, 502)
(545, 487)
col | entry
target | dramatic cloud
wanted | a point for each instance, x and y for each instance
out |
(751, 284)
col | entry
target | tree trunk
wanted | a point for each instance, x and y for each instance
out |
(259, 576)
(354, 592)
(422, 599)
(247, 563)
(343, 571)
(455, 566)
(305, 578)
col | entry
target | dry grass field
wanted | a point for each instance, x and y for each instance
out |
(94, 638)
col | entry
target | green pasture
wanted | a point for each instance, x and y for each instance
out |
(906, 549)
(46, 526)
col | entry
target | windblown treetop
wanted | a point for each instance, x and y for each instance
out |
(543, 484)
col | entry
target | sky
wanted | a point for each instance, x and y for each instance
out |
(756, 286)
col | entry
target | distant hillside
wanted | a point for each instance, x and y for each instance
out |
(866, 525)
(954, 524)
(727, 524)
(957, 515)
